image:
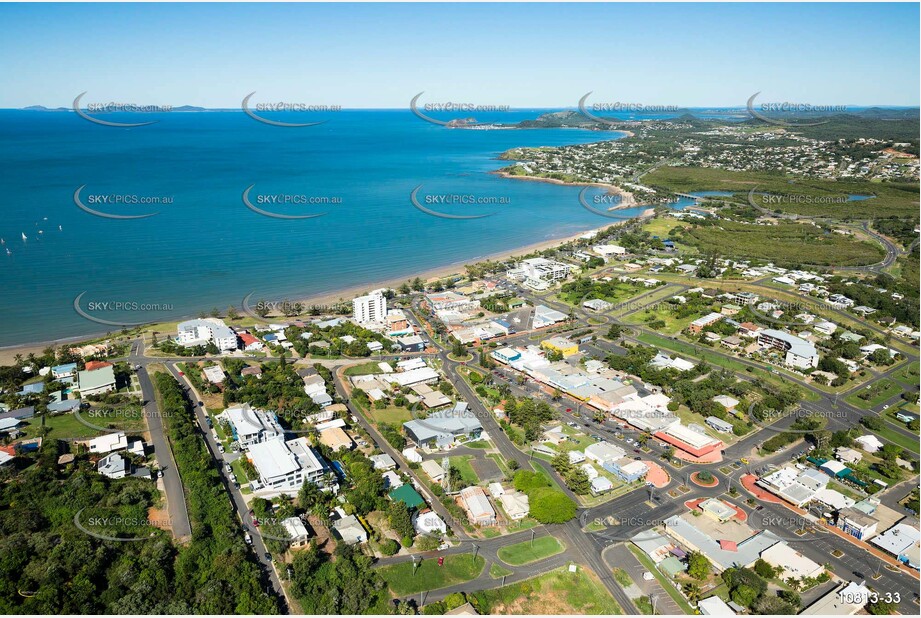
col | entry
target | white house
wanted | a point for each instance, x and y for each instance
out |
(113, 466)
(428, 522)
(251, 426)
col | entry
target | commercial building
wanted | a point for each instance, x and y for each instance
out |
(844, 600)
(723, 553)
(604, 452)
(795, 486)
(628, 470)
(857, 523)
(371, 308)
(506, 355)
(688, 440)
(902, 541)
(794, 564)
(535, 271)
(561, 345)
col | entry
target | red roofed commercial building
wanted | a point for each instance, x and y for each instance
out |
(688, 440)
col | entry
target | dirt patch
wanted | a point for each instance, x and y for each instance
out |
(325, 541)
(159, 518)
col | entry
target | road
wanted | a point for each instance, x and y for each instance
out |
(175, 493)
(239, 502)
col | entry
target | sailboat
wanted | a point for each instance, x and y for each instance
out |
(8, 252)
(60, 228)
(24, 237)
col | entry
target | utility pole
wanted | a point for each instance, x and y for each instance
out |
(476, 548)
(532, 538)
(414, 565)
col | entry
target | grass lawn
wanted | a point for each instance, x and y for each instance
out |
(363, 369)
(557, 592)
(524, 553)
(622, 577)
(462, 463)
(477, 444)
(908, 374)
(891, 435)
(673, 324)
(665, 583)
(390, 414)
(880, 391)
(429, 576)
(660, 226)
(64, 426)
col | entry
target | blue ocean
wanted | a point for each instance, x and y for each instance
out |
(205, 248)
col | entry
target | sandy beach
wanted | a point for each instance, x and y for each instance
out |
(7, 354)
(627, 198)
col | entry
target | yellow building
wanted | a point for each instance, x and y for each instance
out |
(564, 346)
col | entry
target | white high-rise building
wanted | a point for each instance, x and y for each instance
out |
(370, 308)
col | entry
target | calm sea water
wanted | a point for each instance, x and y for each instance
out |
(206, 249)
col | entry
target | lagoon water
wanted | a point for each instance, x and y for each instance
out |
(207, 249)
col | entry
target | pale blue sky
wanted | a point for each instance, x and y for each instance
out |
(522, 55)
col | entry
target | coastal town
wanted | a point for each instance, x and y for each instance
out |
(671, 430)
(440, 308)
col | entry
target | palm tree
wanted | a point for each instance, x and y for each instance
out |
(692, 592)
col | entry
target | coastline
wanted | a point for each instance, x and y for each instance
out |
(627, 198)
(7, 354)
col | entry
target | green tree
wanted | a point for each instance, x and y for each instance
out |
(400, 519)
(698, 565)
(551, 506)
